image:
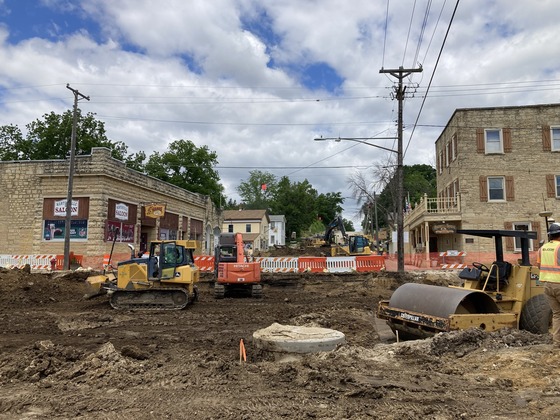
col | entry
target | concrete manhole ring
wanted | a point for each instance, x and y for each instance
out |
(296, 339)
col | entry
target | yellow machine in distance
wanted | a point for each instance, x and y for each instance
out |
(165, 279)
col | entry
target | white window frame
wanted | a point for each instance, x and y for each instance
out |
(500, 143)
(447, 155)
(503, 188)
(557, 185)
(453, 151)
(555, 138)
(522, 226)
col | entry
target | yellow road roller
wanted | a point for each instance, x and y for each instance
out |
(501, 295)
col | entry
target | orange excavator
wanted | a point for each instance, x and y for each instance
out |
(233, 269)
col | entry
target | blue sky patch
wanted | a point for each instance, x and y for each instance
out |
(320, 76)
(261, 26)
(30, 19)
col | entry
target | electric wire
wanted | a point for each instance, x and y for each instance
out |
(432, 77)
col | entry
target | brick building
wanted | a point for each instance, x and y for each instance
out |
(106, 195)
(497, 168)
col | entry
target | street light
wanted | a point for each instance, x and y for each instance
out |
(400, 189)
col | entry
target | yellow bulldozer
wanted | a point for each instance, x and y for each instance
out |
(165, 279)
(491, 297)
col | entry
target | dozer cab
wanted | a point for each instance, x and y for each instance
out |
(491, 298)
(165, 280)
(233, 270)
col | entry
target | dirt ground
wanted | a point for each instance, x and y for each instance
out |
(65, 357)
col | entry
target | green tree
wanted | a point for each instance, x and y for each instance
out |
(297, 201)
(329, 205)
(188, 166)
(50, 138)
(258, 191)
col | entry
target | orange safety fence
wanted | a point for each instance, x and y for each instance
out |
(370, 263)
(312, 264)
(204, 263)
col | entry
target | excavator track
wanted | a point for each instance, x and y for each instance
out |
(158, 299)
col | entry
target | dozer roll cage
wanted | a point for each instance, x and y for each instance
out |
(523, 235)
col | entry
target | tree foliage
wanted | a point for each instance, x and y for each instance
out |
(50, 138)
(305, 209)
(188, 166)
(258, 191)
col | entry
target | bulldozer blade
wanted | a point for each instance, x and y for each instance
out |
(96, 286)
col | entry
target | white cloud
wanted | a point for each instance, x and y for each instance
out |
(166, 70)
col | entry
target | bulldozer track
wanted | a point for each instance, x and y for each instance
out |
(155, 299)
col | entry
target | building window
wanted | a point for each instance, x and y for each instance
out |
(557, 186)
(230, 228)
(454, 147)
(447, 154)
(555, 136)
(493, 141)
(496, 189)
(525, 227)
(248, 228)
(272, 225)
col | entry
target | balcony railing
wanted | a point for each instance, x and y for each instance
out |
(434, 205)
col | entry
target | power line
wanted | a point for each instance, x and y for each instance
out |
(432, 76)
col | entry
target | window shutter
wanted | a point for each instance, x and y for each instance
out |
(510, 244)
(550, 187)
(536, 225)
(546, 145)
(483, 189)
(479, 140)
(507, 140)
(510, 193)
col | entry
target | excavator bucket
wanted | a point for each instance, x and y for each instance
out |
(421, 310)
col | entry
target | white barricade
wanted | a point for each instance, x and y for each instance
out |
(36, 262)
(341, 264)
(278, 264)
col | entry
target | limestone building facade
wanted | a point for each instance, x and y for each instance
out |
(497, 168)
(106, 195)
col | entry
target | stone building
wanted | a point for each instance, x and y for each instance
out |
(106, 195)
(497, 168)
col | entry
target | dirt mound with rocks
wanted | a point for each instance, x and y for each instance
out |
(62, 356)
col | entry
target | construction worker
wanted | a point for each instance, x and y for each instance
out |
(549, 265)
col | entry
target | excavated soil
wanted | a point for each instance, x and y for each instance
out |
(64, 357)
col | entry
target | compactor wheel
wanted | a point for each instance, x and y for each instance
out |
(536, 315)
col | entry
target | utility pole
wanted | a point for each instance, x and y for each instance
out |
(400, 90)
(77, 97)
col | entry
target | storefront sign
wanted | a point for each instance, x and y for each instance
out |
(121, 211)
(53, 230)
(443, 229)
(155, 210)
(60, 208)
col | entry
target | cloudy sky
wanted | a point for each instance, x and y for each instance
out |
(257, 80)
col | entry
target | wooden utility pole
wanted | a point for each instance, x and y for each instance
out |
(77, 96)
(400, 74)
